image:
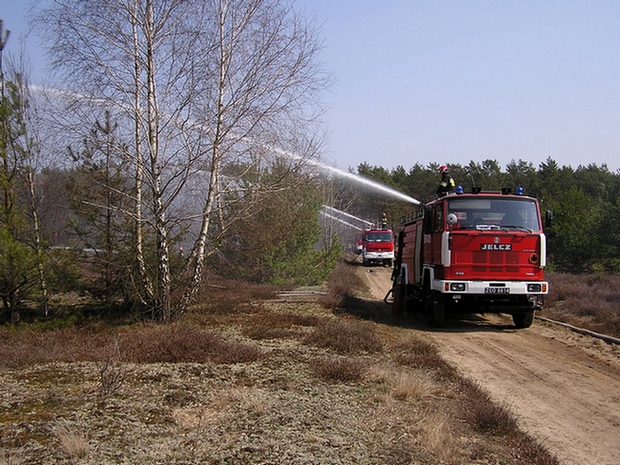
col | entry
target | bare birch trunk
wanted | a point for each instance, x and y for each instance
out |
(199, 251)
(38, 243)
(146, 292)
(162, 302)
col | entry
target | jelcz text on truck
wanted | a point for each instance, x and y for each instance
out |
(478, 252)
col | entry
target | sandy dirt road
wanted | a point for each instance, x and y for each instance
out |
(563, 387)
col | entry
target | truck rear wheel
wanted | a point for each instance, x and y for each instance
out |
(523, 320)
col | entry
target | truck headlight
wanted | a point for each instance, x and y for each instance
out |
(457, 287)
(534, 287)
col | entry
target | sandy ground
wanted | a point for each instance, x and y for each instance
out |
(563, 387)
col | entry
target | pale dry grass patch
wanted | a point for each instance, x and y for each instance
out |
(12, 457)
(437, 436)
(313, 439)
(72, 441)
(379, 374)
(403, 385)
(337, 369)
(413, 386)
(196, 417)
(256, 402)
(250, 399)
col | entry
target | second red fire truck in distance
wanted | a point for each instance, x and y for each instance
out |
(376, 245)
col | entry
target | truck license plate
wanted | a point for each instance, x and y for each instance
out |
(497, 290)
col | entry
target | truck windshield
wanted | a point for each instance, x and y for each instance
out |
(495, 213)
(379, 237)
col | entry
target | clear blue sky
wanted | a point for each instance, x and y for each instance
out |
(460, 80)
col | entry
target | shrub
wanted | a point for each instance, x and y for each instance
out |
(418, 353)
(342, 285)
(149, 343)
(483, 414)
(341, 369)
(586, 300)
(277, 325)
(345, 336)
(185, 343)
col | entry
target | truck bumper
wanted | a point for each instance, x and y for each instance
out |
(379, 256)
(491, 288)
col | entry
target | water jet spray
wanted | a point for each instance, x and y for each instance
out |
(340, 212)
(353, 177)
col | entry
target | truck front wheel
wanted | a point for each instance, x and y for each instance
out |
(523, 320)
(435, 309)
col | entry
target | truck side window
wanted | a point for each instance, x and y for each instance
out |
(438, 223)
(428, 220)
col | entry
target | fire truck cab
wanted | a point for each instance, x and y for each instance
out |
(378, 246)
(480, 252)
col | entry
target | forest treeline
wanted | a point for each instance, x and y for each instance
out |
(585, 202)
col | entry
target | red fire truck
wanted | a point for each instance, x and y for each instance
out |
(377, 246)
(478, 252)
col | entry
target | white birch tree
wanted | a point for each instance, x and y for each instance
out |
(208, 90)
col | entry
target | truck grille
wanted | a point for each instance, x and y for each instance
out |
(493, 262)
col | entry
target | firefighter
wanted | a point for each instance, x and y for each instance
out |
(384, 220)
(446, 184)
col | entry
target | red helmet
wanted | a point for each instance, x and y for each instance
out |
(443, 168)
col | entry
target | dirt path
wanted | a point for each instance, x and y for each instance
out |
(563, 387)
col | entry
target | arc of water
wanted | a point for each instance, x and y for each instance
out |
(340, 212)
(353, 177)
(345, 174)
(339, 219)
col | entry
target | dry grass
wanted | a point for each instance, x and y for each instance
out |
(589, 301)
(346, 336)
(12, 457)
(414, 386)
(72, 442)
(417, 353)
(247, 381)
(143, 343)
(277, 325)
(490, 418)
(342, 287)
(338, 369)
(439, 437)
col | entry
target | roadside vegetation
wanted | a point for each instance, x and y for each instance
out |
(248, 377)
(590, 301)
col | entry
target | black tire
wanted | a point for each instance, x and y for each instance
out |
(523, 320)
(435, 309)
(398, 304)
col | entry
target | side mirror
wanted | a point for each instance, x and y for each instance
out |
(451, 219)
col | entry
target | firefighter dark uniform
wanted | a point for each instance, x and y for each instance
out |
(447, 184)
